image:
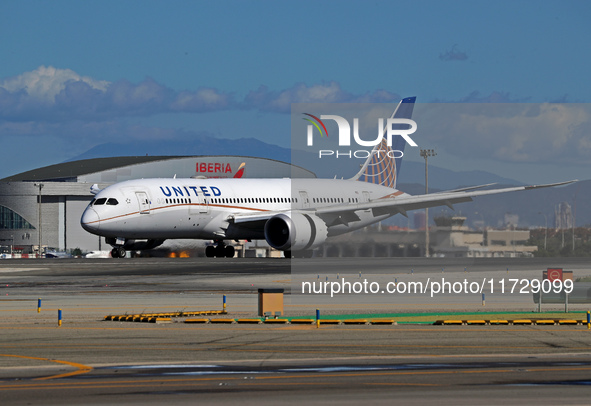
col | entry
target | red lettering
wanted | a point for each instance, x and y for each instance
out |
(212, 167)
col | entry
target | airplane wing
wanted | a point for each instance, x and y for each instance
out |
(345, 213)
(467, 188)
(404, 203)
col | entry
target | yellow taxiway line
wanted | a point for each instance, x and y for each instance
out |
(82, 369)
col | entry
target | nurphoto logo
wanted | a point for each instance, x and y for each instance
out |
(402, 127)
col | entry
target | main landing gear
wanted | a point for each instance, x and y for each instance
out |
(118, 252)
(221, 250)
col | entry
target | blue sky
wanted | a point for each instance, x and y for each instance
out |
(77, 74)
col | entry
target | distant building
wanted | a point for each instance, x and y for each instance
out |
(46, 204)
(449, 238)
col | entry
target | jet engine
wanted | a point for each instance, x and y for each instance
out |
(294, 231)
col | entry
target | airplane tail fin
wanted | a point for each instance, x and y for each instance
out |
(240, 171)
(383, 166)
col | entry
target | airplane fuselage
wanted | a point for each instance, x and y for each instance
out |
(204, 208)
(290, 214)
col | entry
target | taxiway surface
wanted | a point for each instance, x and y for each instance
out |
(90, 361)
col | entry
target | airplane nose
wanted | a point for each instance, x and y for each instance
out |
(90, 220)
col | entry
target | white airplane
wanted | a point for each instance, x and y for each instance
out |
(292, 215)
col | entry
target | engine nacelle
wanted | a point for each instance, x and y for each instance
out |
(295, 231)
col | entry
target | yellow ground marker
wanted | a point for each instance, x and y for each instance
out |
(160, 320)
(249, 321)
(327, 321)
(276, 321)
(222, 321)
(521, 322)
(452, 322)
(302, 321)
(545, 322)
(569, 322)
(143, 316)
(355, 321)
(497, 322)
(202, 321)
(383, 321)
(476, 322)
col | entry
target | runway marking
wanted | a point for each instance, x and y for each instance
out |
(324, 329)
(10, 270)
(82, 369)
(431, 372)
(236, 346)
(401, 384)
(319, 351)
(221, 377)
(317, 345)
(388, 305)
(82, 307)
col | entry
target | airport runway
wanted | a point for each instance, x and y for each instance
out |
(90, 361)
(183, 266)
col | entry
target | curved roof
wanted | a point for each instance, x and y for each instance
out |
(69, 171)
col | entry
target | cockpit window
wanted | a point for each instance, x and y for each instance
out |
(100, 201)
(112, 202)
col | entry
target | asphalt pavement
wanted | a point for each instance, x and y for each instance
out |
(87, 360)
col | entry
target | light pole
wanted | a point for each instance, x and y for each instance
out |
(426, 153)
(574, 214)
(40, 186)
(545, 230)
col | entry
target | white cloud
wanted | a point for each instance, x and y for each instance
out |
(510, 132)
(50, 94)
(331, 92)
(59, 95)
(44, 83)
(204, 99)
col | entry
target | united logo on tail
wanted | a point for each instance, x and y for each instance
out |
(383, 166)
(380, 168)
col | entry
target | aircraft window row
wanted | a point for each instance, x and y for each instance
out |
(229, 200)
(103, 200)
(334, 200)
(178, 201)
(253, 200)
(329, 200)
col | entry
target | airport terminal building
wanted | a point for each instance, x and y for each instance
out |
(43, 207)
